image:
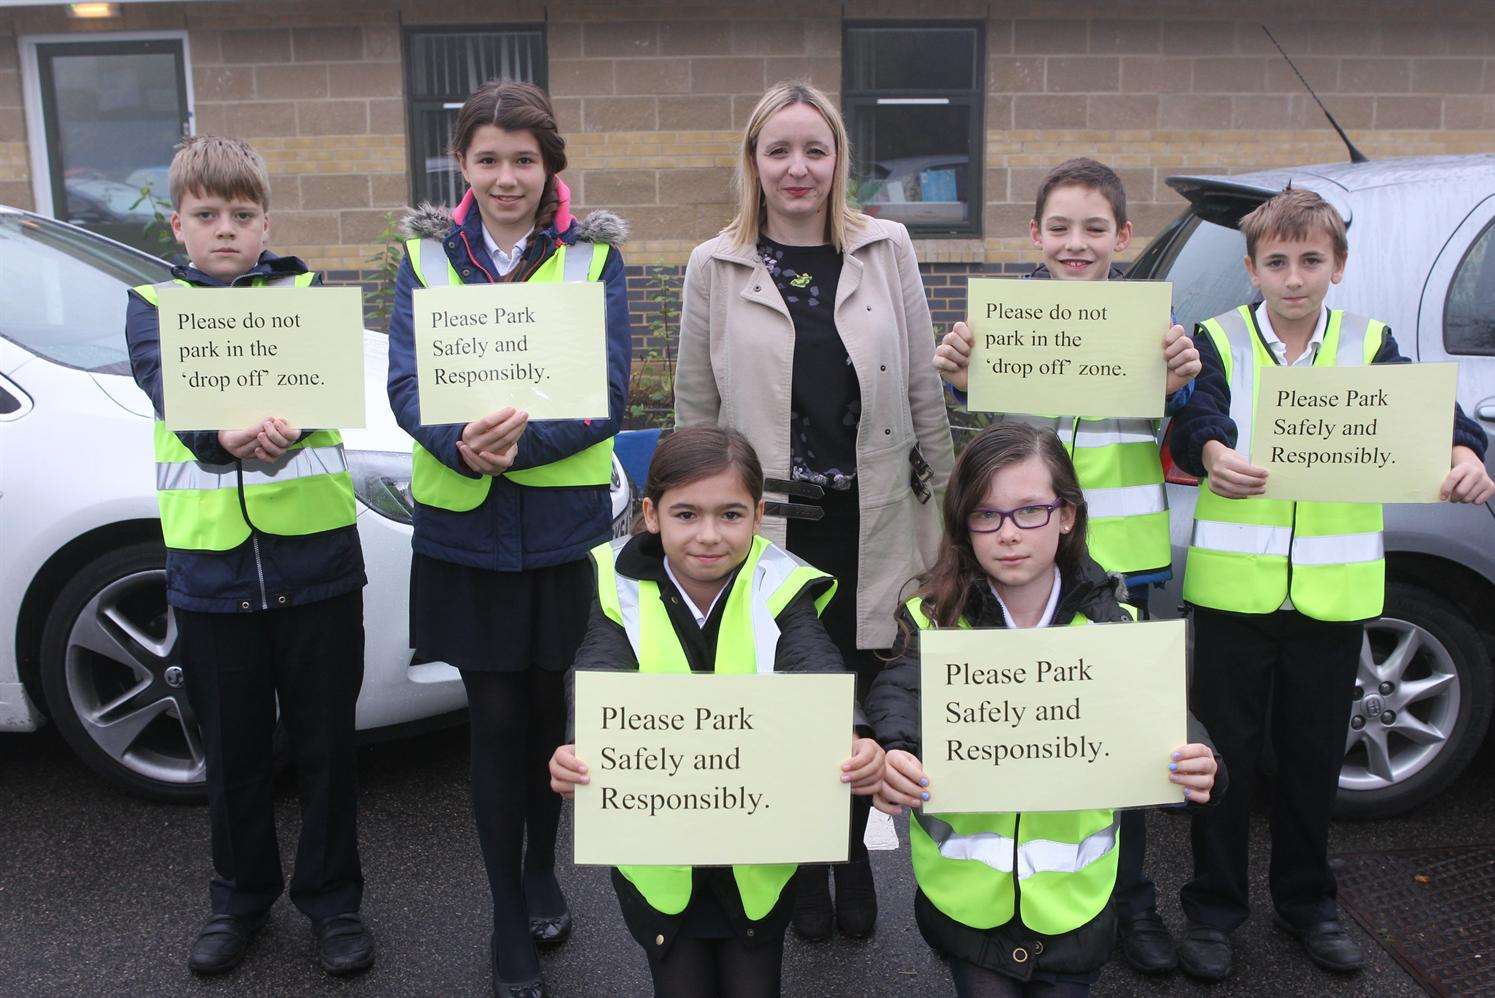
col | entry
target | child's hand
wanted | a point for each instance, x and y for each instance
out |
(1230, 475)
(566, 771)
(864, 769)
(1467, 480)
(240, 443)
(1193, 768)
(903, 783)
(953, 356)
(274, 438)
(1182, 357)
(488, 445)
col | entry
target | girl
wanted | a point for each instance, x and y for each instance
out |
(505, 510)
(804, 325)
(1013, 555)
(700, 565)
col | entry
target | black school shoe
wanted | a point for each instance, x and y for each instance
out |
(856, 899)
(222, 942)
(551, 930)
(344, 945)
(533, 988)
(813, 914)
(1205, 953)
(1328, 944)
(1146, 943)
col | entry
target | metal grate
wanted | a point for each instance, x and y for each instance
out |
(1433, 910)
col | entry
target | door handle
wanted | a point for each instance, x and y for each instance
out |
(1486, 411)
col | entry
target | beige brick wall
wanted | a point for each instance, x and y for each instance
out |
(650, 96)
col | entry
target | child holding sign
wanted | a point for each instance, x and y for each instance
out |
(701, 574)
(1279, 590)
(1016, 903)
(264, 574)
(1079, 224)
(505, 509)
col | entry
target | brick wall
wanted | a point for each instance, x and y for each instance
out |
(651, 95)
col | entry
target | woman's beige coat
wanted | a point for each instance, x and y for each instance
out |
(736, 364)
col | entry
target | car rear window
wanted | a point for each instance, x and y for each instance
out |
(64, 292)
(1469, 314)
(1204, 263)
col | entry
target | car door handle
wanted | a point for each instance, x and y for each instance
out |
(1486, 411)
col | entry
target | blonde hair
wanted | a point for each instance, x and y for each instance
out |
(751, 205)
(1295, 215)
(214, 164)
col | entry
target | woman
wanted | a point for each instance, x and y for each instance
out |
(804, 326)
(506, 510)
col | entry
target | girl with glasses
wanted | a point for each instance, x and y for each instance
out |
(1013, 555)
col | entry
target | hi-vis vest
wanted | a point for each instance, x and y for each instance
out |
(432, 482)
(768, 581)
(1248, 555)
(1118, 465)
(974, 867)
(305, 491)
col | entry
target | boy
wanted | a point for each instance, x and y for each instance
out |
(1079, 224)
(1285, 615)
(265, 576)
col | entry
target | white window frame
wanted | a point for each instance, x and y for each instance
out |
(31, 91)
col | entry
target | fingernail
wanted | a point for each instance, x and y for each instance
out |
(924, 782)
(1173, 766)
(925, 795)
(1177, 756)
(845, 778)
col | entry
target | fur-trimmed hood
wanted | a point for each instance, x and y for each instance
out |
(430, 221)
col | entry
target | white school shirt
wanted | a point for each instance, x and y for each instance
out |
(700, 617)
(1048, 611)
(504, 262)
(1305, 359)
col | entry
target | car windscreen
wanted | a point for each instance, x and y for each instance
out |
(1204, 262)
(64, 292)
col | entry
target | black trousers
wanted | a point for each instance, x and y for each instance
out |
(1135, 892)
(236, 666)
(1300, 674)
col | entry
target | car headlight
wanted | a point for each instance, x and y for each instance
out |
(381, 480)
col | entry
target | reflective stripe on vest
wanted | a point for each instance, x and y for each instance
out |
(432, 482)
(768, 581)
(975, 867)
(1249, 555)
(306, 491)
(1119, 468)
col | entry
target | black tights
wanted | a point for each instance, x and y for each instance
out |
(517, 721)
(718, 968)
(972, 981)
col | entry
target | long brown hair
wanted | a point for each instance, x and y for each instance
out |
(516, 107)
(946, 587)
(698, 452)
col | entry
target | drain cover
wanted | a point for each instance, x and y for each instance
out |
(1433, 910)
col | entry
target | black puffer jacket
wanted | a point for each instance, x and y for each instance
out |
(803, 647)
(893, 711)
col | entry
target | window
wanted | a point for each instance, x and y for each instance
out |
(442, 68)
(64, 292)
(112, 113)
(1203, 260)
(1469, 313)
(913, 99)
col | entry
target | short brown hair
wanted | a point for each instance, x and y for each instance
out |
(1084, 172)
(221, 166)
(698, 452)
(516, 107)
(1295, 215)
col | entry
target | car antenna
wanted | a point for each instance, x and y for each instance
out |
(1356, 156)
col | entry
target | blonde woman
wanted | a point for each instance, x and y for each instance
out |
(804, 326)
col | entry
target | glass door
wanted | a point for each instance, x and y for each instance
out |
(113, 112)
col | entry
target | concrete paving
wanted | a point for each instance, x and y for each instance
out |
(100, 894)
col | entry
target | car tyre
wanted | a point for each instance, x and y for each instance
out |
(1422, 705)
(112, 681)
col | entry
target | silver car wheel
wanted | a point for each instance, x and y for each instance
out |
(1406, 705)
(123, 686)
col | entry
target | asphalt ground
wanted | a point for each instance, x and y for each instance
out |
(101, 893)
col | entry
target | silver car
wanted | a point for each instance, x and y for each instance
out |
(1422, 259)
